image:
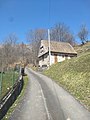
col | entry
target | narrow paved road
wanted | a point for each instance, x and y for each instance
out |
(45, 100)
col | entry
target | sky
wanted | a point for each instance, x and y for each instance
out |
(20, 16)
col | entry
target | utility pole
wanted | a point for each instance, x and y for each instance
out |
(49, 47)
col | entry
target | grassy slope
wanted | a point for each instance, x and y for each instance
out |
(82, 48)
(74, 75)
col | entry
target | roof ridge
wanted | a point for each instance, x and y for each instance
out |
(56, 41)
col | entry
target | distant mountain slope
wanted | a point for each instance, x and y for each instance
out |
(74, 74)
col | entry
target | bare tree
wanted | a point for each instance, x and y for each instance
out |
(9, 50)
(61, 32)
(34, 37)
(83, 33)
(24, 52)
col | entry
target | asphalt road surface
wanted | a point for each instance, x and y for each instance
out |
(45, 100)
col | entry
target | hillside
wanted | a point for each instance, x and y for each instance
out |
(80, 49)
(74, 74)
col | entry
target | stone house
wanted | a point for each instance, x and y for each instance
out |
(59, 52)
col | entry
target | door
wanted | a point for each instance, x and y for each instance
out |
(55, 58)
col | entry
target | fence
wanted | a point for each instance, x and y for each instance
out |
(11, 85)
(8, 78)
(10, 97)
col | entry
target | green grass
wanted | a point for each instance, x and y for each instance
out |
(74, 76)
(8, 79)
(20, 97)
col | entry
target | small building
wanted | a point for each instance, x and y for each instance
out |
(59, 52)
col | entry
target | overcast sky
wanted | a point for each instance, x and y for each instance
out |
(19, 16)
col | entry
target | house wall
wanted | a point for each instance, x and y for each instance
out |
(60, 58)
(44, 60)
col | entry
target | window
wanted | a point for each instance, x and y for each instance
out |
(41, 49)
(63, 56)
(66, 55)
(42, 58)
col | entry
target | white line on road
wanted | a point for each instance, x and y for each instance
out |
(46, 108)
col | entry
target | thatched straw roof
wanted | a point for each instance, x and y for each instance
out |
(60, 47)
